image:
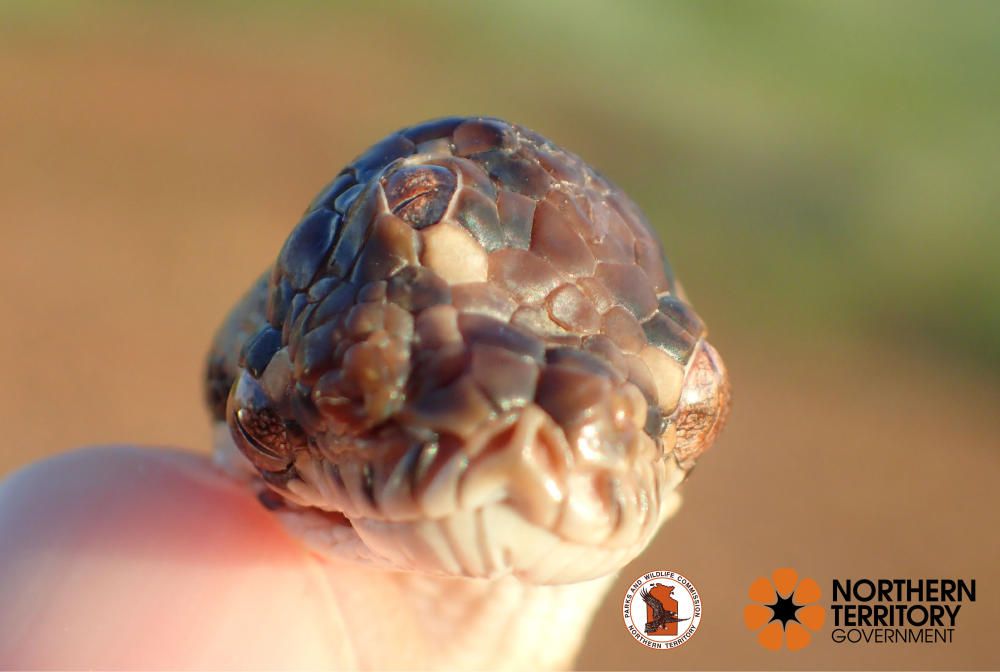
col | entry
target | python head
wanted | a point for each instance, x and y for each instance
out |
(470, 358)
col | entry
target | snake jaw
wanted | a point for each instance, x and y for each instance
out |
(472, 349)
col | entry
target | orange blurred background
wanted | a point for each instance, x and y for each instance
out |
(820, 175)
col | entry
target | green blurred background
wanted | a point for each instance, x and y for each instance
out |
(824, 177)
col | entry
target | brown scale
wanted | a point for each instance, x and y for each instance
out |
(455, 274)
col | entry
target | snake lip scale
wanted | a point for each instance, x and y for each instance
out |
(470, 359)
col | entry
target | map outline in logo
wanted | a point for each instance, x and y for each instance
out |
(662, 609)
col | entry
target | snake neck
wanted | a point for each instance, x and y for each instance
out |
(397, 620)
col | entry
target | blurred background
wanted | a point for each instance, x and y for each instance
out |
(824, 177)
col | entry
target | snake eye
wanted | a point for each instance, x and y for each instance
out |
(258, 431)
(419, 194)
(703, 407)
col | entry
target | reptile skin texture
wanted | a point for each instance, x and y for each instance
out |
(469, 318)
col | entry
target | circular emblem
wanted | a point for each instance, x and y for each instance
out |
(662, 609)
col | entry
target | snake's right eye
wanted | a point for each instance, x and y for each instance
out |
(258, 431)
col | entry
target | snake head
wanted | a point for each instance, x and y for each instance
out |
(470, 358)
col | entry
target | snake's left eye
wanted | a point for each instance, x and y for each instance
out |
(703, 407)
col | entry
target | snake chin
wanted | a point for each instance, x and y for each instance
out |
(487, 543)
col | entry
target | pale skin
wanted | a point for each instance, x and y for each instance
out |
(120, 557)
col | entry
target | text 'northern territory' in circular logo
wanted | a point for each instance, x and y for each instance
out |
(662, 609)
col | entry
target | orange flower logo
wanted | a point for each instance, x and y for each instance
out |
(784, 607)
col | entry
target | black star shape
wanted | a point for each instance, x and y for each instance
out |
(784, 610)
